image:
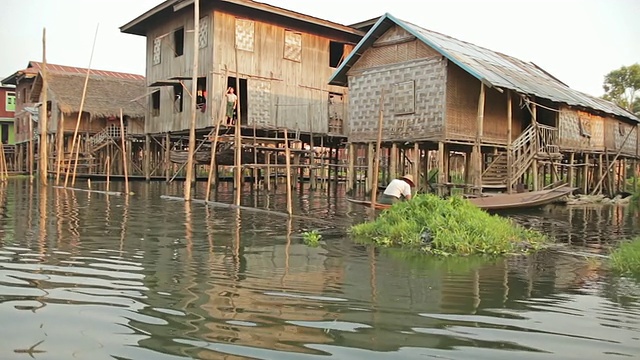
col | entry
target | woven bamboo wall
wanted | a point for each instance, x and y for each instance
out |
(463, 91)
(573, 125)
(395, 46)
(414, 101)
(615, 133)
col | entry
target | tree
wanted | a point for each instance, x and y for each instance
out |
(622, 87)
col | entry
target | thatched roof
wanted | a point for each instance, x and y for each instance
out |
(105, 95)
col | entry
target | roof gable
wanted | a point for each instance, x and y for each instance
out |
(492, 68)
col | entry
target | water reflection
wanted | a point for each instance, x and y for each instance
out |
(140, 277)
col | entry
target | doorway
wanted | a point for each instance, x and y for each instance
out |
(231, 82)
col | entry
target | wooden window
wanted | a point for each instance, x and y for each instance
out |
(292, 45)
(244, 34)
(203, 34)
(155, 103)
(178, 42)
(10, 101)
(177, 98)
(157, 49)
(404, 98)
(336, 53)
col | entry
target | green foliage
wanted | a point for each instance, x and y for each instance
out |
(311, 238)
(622, 85)
(454, 227)
(626, 258)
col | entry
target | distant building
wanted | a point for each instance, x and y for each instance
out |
(7, 112)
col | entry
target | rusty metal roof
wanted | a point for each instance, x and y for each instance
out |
(34, 67)
(491, 67)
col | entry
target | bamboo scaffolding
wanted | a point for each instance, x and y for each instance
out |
(42, 148)
(125, 165)
(84, 94)
(194, 91)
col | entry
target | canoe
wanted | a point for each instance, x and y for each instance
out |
(503, 201)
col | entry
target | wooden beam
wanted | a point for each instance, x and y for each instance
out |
(194, 90)
(479, 133)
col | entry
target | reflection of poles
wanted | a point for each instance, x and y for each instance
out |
(374, 289)
(287, 250)
(31, 149)
(42, 238)
(287, 156)
(123, 227)
(237, 175)
(59, 216)
(188, 224)
(208, 219)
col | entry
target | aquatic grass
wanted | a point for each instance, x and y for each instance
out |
(452, 226)
(626, 258)
(311, 238)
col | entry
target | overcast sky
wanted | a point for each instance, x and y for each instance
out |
(578, 41)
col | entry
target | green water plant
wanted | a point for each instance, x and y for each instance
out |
(452, 226)
(626, 258)
(311, 238)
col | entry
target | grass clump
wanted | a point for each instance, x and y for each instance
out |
(311, 238)
(626, 258)
(452, 226)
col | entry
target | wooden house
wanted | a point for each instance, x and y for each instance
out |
(7, 111)
(483, 119)
(283, 60)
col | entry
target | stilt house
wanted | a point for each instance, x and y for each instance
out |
(477, 118)
(283, 60)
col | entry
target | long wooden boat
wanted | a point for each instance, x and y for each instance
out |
(503, 201)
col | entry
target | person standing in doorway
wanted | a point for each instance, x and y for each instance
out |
(232, 103)
(397, 189)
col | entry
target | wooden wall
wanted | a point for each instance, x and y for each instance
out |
(280, 92)
(23, 91)
(412, 77)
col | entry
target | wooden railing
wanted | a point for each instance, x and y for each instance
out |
(109, 132)
(548, 139)
(523, 151)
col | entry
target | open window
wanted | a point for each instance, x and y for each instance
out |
(231, 82)
(178, 98)
(336, 53)
(155, 103)
(201, 96)
(178, 41)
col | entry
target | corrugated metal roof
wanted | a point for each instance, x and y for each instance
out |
(491, 67)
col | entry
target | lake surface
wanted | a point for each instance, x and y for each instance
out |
(86, 276)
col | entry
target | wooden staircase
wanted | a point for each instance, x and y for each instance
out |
(105, 136)
(536, 141)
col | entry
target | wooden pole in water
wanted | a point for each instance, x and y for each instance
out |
(59, 146)
(194, 92)
(124, 155)
(287, 156)
(75, 162)
(214, 147)
(376, 159)
(31, 149)
(238, 145)
(108, 170)
(42, 148)
(75, 132)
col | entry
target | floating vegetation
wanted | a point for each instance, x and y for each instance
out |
(447, 227)
(311, 238)
(626, 258)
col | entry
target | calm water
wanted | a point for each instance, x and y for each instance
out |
(84, 276)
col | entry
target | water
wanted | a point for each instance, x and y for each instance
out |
(84, 276)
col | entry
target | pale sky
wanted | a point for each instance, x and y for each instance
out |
(578, 41)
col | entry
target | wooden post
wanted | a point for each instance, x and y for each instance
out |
(194, 90)
(267, 175)
(60, 146)
(351, 162)
(509, 143)
(479, 132)
(393, 162)
(442, 179)
(312, 163)
(585, 176)
(376, 160)
(600, 173)
(31, 148)
(296, 163)
(124, 155)
(237, 141)
(614, 160)
(288, 169)
(370, 159)
(255, 158)
(534, 168)
(108, 170)
(75, 163)
(42, 148)
(416, 165)
(147, 157)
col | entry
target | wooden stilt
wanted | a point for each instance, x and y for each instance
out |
(351, 176)
(616, 157)
(31, 148)
(572, 168)
(44, 115)
(393, 162)
(441, 172)
(147, 157)
(190, 176)
(287, 156)
(585, 175)
(267, 175)
(313, 181)
(510, 181)
(416, 165)
(376, 159)
(534, 166)
(370, 166)
(124, 155)
(60, 146)
(479, 133)
(108, 170)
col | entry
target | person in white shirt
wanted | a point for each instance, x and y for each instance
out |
(397, 189)
(232, 103)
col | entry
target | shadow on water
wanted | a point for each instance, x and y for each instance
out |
(89, 276)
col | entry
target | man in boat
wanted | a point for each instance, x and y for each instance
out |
(397, 189)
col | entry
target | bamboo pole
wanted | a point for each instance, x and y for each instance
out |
(42, 148)
(376, 159)
(214, 147)
(75, 162)
(238, 146)
(288, 167)
(60, 147)
(124, 155)
(194, 91)
(84, 93)
(31, 149)
(108, 170)
(255, 157)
